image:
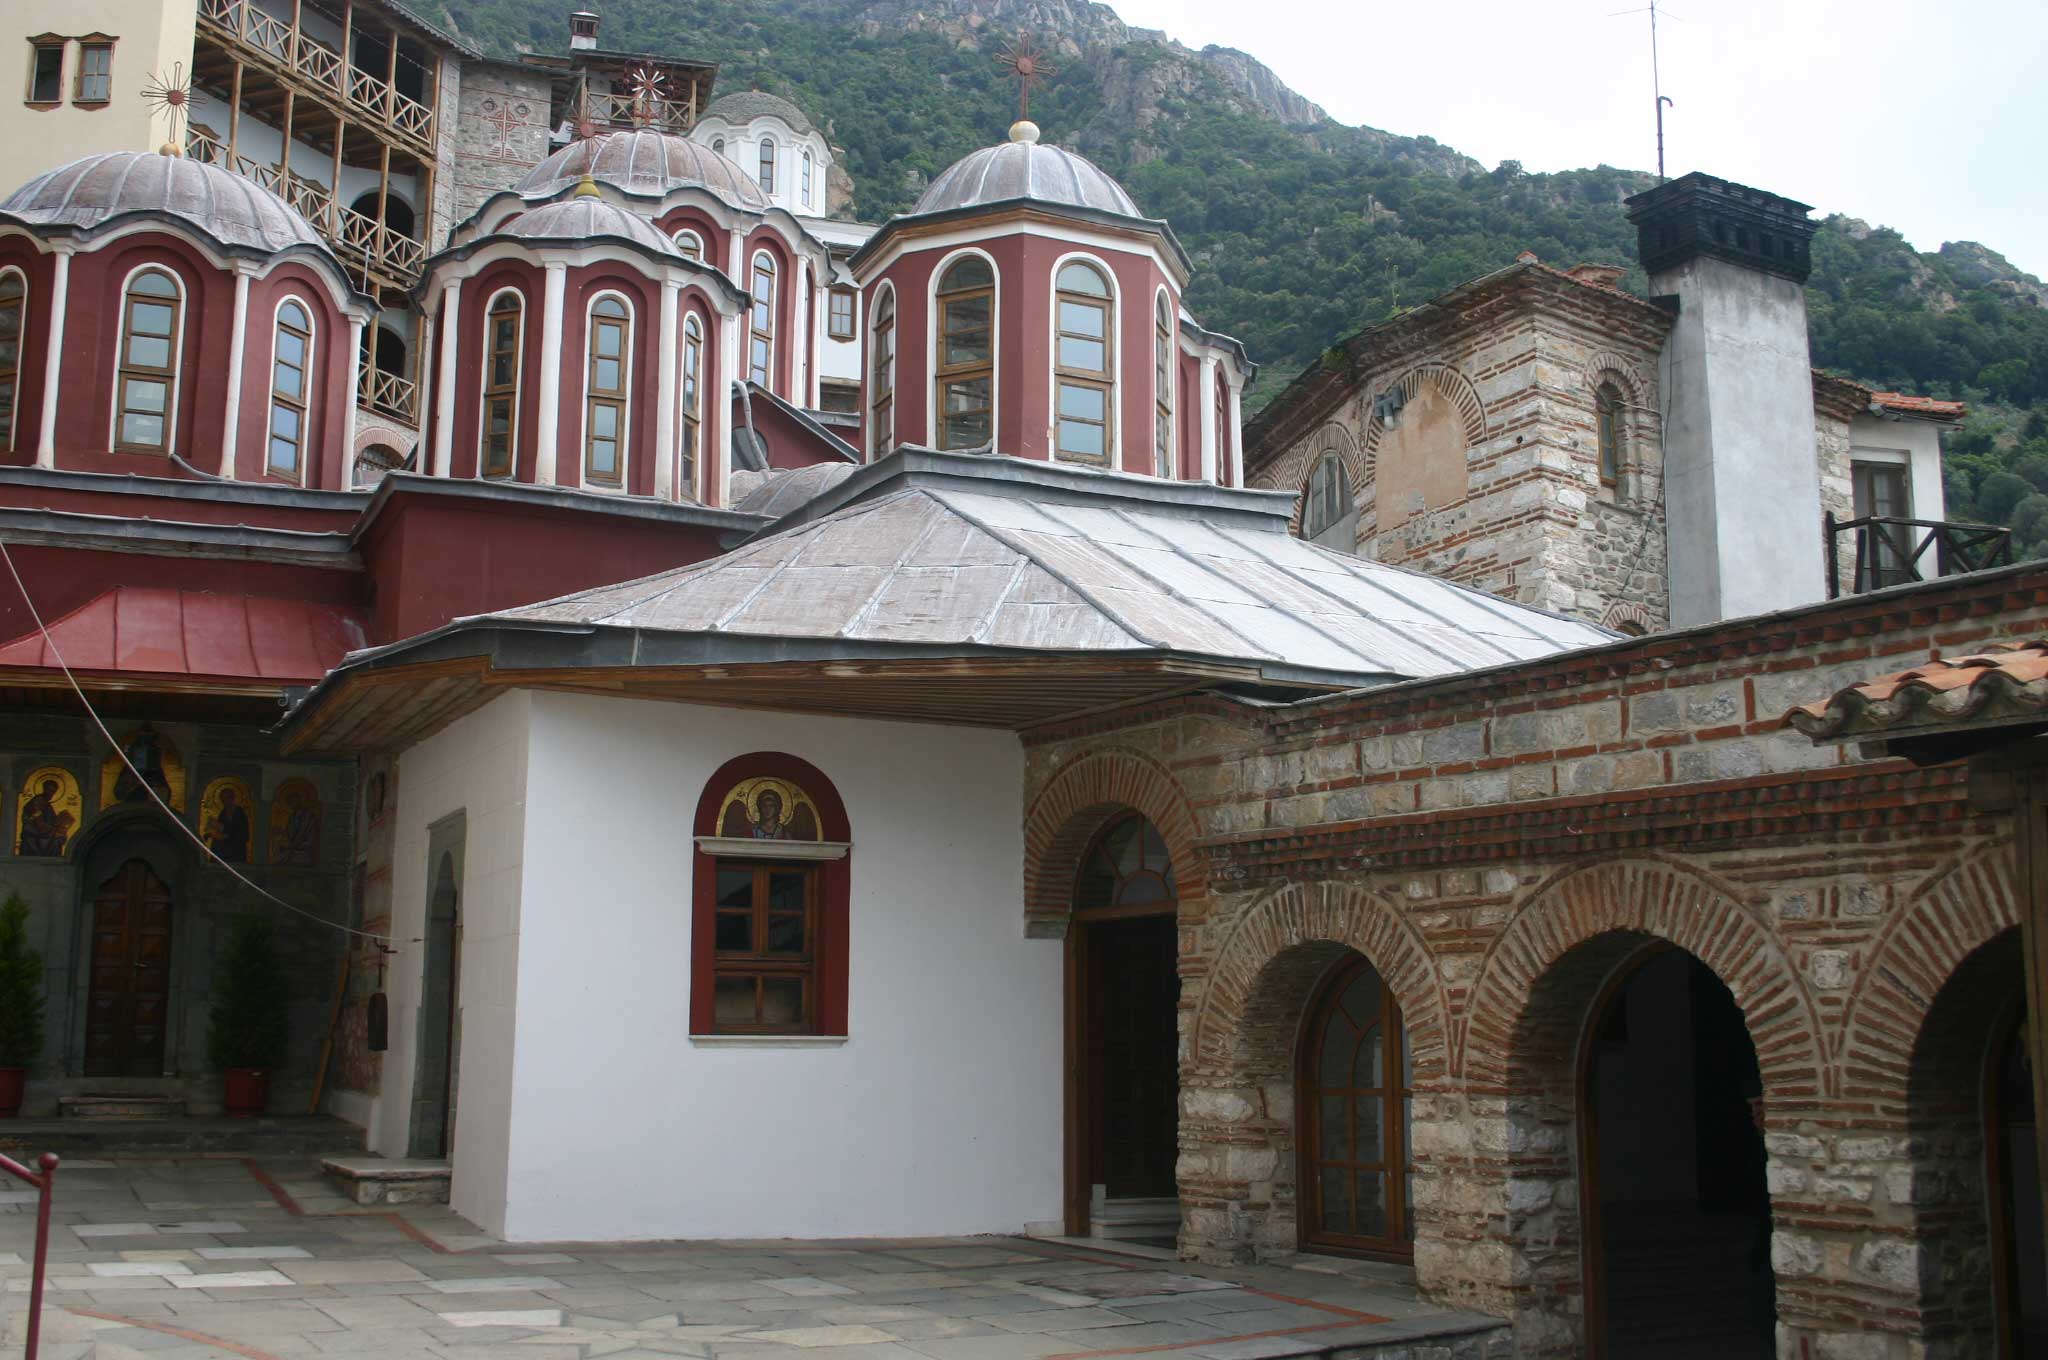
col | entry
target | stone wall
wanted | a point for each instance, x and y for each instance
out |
(501, 132)
(1498, 847)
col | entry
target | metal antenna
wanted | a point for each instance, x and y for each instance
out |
(1656, 79)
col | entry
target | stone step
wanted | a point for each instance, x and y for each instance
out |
(120, 1105)
(281, 1136)
(1134, 1217)
(395, 1180)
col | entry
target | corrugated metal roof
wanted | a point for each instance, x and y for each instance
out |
(160, 631)
(972, 552)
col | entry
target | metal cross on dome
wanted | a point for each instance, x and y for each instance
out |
(172, 94)
(649, 88)
(1028, 66)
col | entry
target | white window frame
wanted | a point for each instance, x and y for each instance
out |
(483, 402)
(809, 165)
(774, 305)
(1170, 401)
(875, 313)
(765, 165)
(583, 480)
(177, 358)
(312, 355)
(1113, 461)
(931, 341)
(692, 318)
(696, 237)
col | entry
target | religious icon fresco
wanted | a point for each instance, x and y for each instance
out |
(767, 809)
(156, 759)
(47, 813)
(295, 824)
(224, 818)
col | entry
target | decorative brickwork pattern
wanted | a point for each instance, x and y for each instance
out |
(1078, 802)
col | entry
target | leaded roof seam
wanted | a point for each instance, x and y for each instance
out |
(807, 532)
(987, 626)
(1163, 584)
(860, 615)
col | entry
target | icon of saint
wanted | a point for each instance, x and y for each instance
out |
(768, 823)
(44, 829)
(229, 837)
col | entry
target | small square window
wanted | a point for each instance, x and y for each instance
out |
(95, 74)
(839, 314)
(46, 73)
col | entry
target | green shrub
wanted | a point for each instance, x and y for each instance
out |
(21, 988)
(250, 1020)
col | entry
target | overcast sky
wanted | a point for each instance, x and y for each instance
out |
(1928, 117)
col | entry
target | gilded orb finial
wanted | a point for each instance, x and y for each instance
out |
(587, 187)
(1024, 130)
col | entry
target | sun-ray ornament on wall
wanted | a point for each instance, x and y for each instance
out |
(171, 95)
(1028, 66)
(649, 88)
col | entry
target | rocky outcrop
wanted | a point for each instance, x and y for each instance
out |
(1979, 266)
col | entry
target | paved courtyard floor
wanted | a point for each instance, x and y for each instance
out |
(203, 1258)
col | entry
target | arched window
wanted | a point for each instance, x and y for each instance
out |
(718, 146)
(1163, 352)
(1327, 514)
(1128, 866)
(690, 245)
(882, 377)
(1608, 406)
(1084, 363)
(768, 165)
(1357, 1173)
(504, 329)
(761, 319)
(807, 177)
(966, 352)
(13, 311)
(769, 919)
(604, 405)
(693, 405)
(145, 414)
(291, 368)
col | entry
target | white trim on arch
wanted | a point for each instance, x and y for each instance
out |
(696, 237)
(483, 388)
(20, 355)
(177, 355)
(1114, 461)
(931, 342)
(1163, 298)
(583, 481)
(270, 400)
(885, 292)
(774, 332)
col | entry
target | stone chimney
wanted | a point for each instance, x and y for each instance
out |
(583, 29)
(1741, 471)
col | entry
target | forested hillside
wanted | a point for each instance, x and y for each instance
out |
(1304, 229)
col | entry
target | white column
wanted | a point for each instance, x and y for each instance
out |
(820, 295)
(60, 287)
(355, 388)
(800, 323)
(423, 398)
(737, 254)
(238, 339)
(728, 374)
(546, 427)
(444, 397)
(665, 398)
(1235, 441)
(1208, 414)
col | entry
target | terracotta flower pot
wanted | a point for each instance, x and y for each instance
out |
(245, 1091)
(13, 1082)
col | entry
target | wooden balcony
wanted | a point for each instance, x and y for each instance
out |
(1887, 551)
(250, 35)
(362, 242)
(634, 111)
(390, 394)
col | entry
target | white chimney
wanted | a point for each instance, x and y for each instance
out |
(583, 30)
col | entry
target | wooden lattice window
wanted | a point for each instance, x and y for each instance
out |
(291, 373)
(1084, 362)
(966, 353)
(1163, 350)
(693, 404)
(95, 83)
(1608, 407)
(147, 387)
(768, 165)
(761, 319)
(1355, 1100)
(13, 314)
(882, 377)
(839, 314)
(604, 417)
(503, 325)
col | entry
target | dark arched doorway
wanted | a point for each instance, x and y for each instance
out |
(128, 1010)
(1676, 1213)
(1124, 1002)
(2020, 1263)
(440, 1017)
(398, 214)
(1354, 1105)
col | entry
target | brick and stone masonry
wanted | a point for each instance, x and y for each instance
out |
(1498, 845)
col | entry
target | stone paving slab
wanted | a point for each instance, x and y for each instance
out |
(200, 1258)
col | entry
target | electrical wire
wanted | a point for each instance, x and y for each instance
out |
(384, 941)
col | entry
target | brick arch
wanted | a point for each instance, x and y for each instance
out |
(1447, 380)
(1290, 471)
(1302, 914)
(1948, 919)
(1608, 366)
(1075, 804)
(1646, 898)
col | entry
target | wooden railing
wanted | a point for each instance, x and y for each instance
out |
(389, 393)
(242, 23)
(1888, 551)
(626, 110)
(357, 238)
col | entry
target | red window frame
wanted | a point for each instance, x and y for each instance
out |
(834, 891)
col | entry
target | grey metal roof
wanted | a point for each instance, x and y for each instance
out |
(744, 106)
(585, 217)
(231, 209)
(646, 162)
(1025, 168)
(961, 551)
(779, 491)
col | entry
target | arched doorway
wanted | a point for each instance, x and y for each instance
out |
(1123, 1032)
(1354, 1102)
(2019, 1261)
(127, 1012)
(440, 1016)
(1676, 1214)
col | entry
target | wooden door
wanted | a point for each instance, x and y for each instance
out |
(1137, 997)
(1354, 1100)
(131, 974)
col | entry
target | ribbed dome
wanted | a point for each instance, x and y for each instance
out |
(230, 208)
(1024, 167)
(646, 162)
(744, 106)
(582, 217)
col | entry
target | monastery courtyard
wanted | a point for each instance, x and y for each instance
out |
(201, 1258)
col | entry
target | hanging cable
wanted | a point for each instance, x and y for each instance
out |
(384, 941)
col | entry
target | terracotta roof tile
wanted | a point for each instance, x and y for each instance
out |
(1906, 404)
(2006, 682)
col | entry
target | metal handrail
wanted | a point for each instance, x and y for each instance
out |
(357, 236)
(45, 1185)
(1891, 550)
(243, 22)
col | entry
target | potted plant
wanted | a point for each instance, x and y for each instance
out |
(21, 1004)
(250, 1019)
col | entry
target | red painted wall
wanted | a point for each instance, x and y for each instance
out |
(28, 393)
(782, 366)
(327, 415)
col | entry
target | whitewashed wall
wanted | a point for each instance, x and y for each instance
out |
(477, 767)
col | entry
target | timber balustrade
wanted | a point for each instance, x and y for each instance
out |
(389, 393)
(357, 238)
(273, 43)
(1890, 551)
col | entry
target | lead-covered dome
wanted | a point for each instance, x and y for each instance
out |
(585, 216)
(232, 209)
(647, 163)
(1025, 168)
(744, 106)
